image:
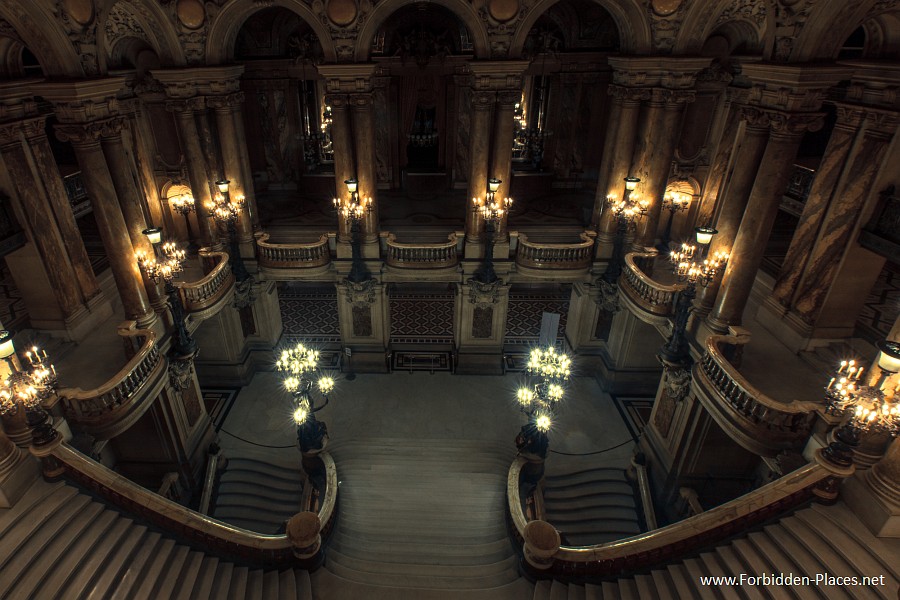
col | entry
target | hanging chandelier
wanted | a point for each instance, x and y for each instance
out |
(540, 398)
(299, 366)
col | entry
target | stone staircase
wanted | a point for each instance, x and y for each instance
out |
(815, 540)
(589, 505)
(259, 490)
(422, 517)
(58, 542)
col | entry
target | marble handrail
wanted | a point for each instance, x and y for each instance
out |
(82, 406)
(292, 256)
(765, 417)
(555, 256)
(679, 539)
(209, 481)
(422, 255)
(652, 296)
(201, 294)
(202, 530)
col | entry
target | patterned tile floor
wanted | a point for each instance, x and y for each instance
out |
(526, 308)
(421, 318)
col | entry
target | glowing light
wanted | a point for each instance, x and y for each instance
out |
(300, 415)
(543, 423)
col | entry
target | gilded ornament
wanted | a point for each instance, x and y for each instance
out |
(664, 8)
(341, 12)
(503, 10)
(190, 13)
(80, 11)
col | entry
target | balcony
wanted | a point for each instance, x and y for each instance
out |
(300, 258)
(653, 300)
(203, 298)
(442, 255)
(567, 260)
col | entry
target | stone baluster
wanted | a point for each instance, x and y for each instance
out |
(820, 196)
(366, 172)
(775, 168)
(85, 138)
(225, 109)
(198, 173)
(479, 146)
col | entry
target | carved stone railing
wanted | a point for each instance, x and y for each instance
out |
(421, 255)
(198, 296)
(819, 479)
(654, 297)
(758, 422)
(555, 256)
(109, 409)
(292, 256)
(200, 531)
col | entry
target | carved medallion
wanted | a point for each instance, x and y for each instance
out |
(503, 10)
(341, 12)
(665, 8)
(190, 13)
(80, 11)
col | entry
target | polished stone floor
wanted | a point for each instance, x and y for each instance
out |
(425, 406)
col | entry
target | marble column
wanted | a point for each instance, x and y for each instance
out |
(479, 148)
(733, 203)
(342, 142)
(37, 216)
(501, 155)
(362, 106)
(609, 150)
(143, 146)
(840, 222)
(820, 196)
(224, 110)
(85, 138)
(655, 151)
(237, 115)
(198, 173)
(756, 225)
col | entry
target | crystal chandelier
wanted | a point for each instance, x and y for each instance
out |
(299, 367)
(28, 388)
(540, 398)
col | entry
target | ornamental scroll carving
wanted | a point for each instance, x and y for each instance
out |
(484, 294)
(790, 17)
(81, 133)
(666, 17)
(676, 387)
(782, 122)
(79, 22)
(121, 23)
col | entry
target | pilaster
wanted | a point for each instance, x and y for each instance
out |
(481, 310)
(365, 327)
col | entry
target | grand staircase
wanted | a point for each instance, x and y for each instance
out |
(58, 542)
(259, 490)
(815, 540)
(421, 519)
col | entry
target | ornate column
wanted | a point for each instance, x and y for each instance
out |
(198, 174)
(481, 311)
(843, 216)
(820, 195)
(479, 145)
(144, 148)
(787, 130)
(342, 143)
(366, 172)
(225, 108)
(501, 157)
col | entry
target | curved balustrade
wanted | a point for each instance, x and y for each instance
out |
(422, 256)
(680, 539)
(110, 408)
(200, 295)
(292, 256)
(653, 297)
(761, 424)
(220, 538)
(555, 256)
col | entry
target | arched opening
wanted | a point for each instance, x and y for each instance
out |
(17, 61)
(133, 54)
(855, 45)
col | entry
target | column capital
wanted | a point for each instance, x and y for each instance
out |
(363, 101)
(90, 132)
(227, 103)
(628, 94)
(792, 87)
(337, 101)
(483, 100)
(656, 71)
(209, 81)
(881, 124)
(672, 98)
(186, 105)
(13, 132)
(781, 122)
(508, 98)
(81, 101)
(347, 78)
(493, 75)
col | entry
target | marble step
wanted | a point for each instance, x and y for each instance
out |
(753, 562)
(264, 482)
(802, 557)
(583, 475)
(681, 581)
(133, 571)
(123, 553)
(587, 489)
(258, 502)
(586, 515)
(779, 561)
(695, 570)
(586, 502)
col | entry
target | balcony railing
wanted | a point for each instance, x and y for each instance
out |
(197, 296)
(758, 422)
(109, 409)
(546, 557)
(292, 256)
(200, 531)
(555, 256)
(654, 297)
(421, 255)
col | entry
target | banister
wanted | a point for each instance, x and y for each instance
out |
(294, 255)
(209, 481)
(201, 294)
(681, 538)
(654, 297)
(421, 255)
(643, 484)
(209, 533)
(576, 255)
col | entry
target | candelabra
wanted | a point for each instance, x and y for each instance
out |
(165, 265)
(868, 408)
(702, 270)
(674, 202)
(354, 210)
(226, 211)
(184, 205)
(300, 368)
(492, 211)
(28, 389)
(540, 398)
(627, 211)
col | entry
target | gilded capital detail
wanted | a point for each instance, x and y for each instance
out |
(782, 122)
